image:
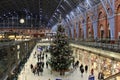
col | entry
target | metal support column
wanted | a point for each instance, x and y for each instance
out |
(110, 15)
(72, 31)
(77, 30)
(94, 18)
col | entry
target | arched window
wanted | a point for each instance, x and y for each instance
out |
(89, 32)
(88, 19)
(109, 11)
(118, 9)
(100, 15)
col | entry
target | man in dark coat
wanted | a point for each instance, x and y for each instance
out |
(82, 71)
(81, 66)
(100, 76)
(31, 66)
(86, 68)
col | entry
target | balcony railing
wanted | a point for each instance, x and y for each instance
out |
(101, 44)
(113, 77)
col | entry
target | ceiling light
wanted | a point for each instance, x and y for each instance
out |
(22, 21)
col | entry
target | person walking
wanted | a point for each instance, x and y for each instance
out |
(92, 71)
(38, 57)
(86, 68)
(31, 66)
(46, 64)
(38, 70)
(82, 71)
(41, 70)
(34, 70)
(91, 76)
(35, 54)
(81, 66)
(46, 56)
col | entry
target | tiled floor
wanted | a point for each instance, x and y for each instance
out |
(26, 73)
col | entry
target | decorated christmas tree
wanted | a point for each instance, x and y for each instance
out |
(61, 54)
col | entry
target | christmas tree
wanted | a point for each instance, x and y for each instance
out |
(61, 54)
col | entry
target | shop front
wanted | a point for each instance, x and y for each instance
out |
(97, 62)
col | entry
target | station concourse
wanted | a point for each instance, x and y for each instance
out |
(59, 40)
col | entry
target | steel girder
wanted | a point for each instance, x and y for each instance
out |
(84, 25)
(77, 29)
(68, 28)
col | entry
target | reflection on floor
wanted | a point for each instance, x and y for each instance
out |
(26, 73)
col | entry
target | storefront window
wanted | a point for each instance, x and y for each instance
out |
(86, 57)
(94, 61)
(106, 67)
(80, 56)
(117, 67)
(98, 62)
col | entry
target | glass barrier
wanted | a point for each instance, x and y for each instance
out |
(114, 77)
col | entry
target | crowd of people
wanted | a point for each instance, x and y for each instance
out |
(38, 68)
(85, 69)
(82, 68)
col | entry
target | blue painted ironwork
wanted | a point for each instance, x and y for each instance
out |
(110, 16)
(82, 10)
(69, 4)
(88, 2)
(70, 24)
(94, 18)
(76, 16)
(72, 31)
(112, 8)
(66, 28)
(84, 25)
(77, 29)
